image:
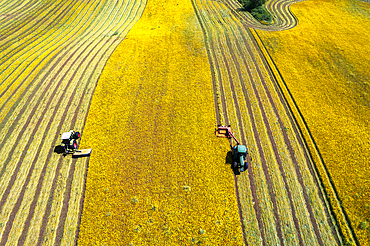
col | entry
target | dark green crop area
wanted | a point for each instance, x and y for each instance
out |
(257, 10)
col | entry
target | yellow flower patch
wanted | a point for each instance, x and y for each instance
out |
(157, 174)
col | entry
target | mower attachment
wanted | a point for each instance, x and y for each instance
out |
(239, 151)
(81, 152)
(225, 132)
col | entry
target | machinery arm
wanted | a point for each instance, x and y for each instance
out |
(225, 132)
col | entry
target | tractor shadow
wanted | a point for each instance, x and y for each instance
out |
(59, 149)
(229, 161)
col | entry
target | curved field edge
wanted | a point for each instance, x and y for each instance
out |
(330, 77)
(328, 186)
(163, 178)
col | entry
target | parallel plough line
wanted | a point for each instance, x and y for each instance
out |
(41, 168)
(252, 109)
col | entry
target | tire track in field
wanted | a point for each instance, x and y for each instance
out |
(289, 207)
(32, 166)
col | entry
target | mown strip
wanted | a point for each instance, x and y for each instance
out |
(55, 82)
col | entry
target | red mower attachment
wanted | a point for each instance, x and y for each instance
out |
(225, 132)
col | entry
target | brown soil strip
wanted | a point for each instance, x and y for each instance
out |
(30, 41)
(13, 178)
(66, 201)
(35, 200)
(295, 220)
(264, 163)
(44, 77)
(289, 19)
(49, 202)
(25, 18)
(14, 4)
(35, 67)
(63, 215)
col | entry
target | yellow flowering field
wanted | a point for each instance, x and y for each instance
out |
(158, 174)
(325, 64)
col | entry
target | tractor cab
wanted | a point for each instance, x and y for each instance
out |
(69, 141)
(239, 157)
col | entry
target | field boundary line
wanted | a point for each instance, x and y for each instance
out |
(326, 183)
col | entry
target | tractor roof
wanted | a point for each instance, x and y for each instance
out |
(242, 149)
(66, 135)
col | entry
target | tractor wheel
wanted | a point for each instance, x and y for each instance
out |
(77, 135)
(74, 144)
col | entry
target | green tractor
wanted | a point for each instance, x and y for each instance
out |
(239, 151)
(239, 157)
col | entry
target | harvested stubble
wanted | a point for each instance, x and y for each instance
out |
(324, 64)
(158, 173)
(46, 84)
